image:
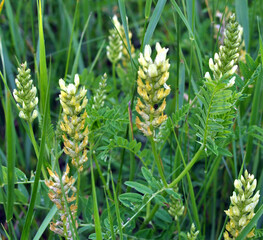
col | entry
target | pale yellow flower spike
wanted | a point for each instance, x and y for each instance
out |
(62, 226)
(152, 88)
(73, 100)
(242, 206)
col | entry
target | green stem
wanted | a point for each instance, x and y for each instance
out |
(78, 192)
(114, 76)
(35, 146)
(150, 216)
(187, 168)
(191, 189)
(102, 177)
(158, 162)
(71, 39)
(178, 229)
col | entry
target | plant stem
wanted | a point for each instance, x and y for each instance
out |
(114, 76)
(78, 192)
(191, 189)
(102, 177)
(158, 162)
(187, 168)
(35, 146)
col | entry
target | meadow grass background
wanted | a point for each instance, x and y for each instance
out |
(73, 40)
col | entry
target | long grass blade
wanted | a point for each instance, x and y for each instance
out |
(11, 157)
(251, 224)
(75, 64)
(95, 205)
(242, 17)
(153, 21)
(192, 36)
(45, 223)
(25, 232)
(42, 64)
(117, 210)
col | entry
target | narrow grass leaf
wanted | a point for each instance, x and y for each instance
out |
(124, 23)
(41, 158)
(11, 156)
(76, 61)
(45, 223)
(148, 6)
(15, 35)
(192, 36)
(116, 202)
(71, 38)
(95, 205)
(251, 224)
(242, 17)
(42, 65)
(153, 21)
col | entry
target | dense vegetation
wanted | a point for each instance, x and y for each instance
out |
(131, 119)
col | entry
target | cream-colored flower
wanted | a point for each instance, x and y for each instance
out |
(192, 235)
(25, 94)
(242, 206)
(115, 47)
(225, 62)
(62, 226)
(74, 101)
(152, 88)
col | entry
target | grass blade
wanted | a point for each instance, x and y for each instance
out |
(192, 36)
(95, 205)
(117, 210)
(45, 223)
(16, 37)
(41, 157)
(242, 17)
(11, 157)
(76, 61)
(153, 21)
(124, 23)
(251, 224)
(42, 65)
(71, 38)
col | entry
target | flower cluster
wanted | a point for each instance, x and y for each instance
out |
(224, 63)
(242, 206)
(176, 206)
(118, 45)
(62, 226)
(152, 88)
(114, 50)
(98, 99)
(192, 235)
(25, 94)
(73, 101)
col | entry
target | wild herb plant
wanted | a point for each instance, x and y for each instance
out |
(131, 143)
